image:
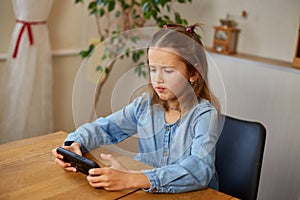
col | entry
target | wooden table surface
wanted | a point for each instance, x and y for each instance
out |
(207, 194)
(28, 171)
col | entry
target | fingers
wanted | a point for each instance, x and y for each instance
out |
(100, 177)
(66, 166)
(56, 154)
(109, 178)
(60, 162)
(114, 162)
(97, 181)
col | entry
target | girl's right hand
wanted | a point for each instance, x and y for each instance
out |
(75, 147)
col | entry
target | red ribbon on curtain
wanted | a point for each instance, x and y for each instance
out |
(26, 24)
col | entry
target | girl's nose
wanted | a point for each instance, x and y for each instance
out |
(159, 78)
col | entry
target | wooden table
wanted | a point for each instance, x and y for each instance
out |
(28, 171)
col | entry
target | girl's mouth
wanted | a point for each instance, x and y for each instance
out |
(159, 89)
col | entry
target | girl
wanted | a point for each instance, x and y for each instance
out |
(176, 121)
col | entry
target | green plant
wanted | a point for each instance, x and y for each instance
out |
(115, 16)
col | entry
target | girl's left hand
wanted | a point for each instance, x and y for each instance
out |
(116, 177)
(109, 178)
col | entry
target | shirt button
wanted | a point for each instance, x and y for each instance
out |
(165, 153)
(167, 128)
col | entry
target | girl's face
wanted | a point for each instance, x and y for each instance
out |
(168, 74)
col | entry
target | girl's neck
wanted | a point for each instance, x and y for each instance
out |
(173, 105)
(172, 116)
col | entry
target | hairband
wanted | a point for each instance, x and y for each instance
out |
(188, 28)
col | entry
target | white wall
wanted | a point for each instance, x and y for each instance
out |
(270, 30)
(268, 94)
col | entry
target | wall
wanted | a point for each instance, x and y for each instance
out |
(69, 26)
(270, 30)
(268, 94)
(265, 33)
(255, 91)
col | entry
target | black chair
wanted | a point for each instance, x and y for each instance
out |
(239, 155)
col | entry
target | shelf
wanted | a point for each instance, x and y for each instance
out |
(259, 59)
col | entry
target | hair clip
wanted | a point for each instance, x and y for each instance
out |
(189, 29)
(165, 26)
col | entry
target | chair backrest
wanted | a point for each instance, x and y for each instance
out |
(239, 154)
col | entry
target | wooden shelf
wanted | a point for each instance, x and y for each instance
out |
(260, 59)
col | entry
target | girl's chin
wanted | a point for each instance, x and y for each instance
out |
(163, 97)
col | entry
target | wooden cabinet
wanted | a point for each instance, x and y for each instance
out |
(225, 39)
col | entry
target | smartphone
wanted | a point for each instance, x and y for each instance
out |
(81, 163)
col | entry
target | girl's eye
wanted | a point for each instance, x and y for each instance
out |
(169, 70)
(152, 69)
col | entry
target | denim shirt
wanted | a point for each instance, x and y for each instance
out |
(182, 153)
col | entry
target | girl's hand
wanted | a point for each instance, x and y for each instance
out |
(75, 147)
(116, 177)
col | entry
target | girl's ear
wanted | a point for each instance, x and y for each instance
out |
(193, 77)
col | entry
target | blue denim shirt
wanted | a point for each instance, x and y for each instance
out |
(183, 153)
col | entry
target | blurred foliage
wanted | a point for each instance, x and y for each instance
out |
(122, 15)
(113, 17)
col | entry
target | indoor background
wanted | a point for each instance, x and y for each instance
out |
(259, 91)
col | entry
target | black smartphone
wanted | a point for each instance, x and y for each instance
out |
(81, 163)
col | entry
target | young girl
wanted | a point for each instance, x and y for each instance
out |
(176, 122)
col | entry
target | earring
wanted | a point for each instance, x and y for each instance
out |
(191, 83)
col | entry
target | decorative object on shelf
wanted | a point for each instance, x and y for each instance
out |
(296, 61)
(226, 35)
(227, 22)
(225, 39)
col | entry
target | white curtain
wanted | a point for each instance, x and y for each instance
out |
(26, 81)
